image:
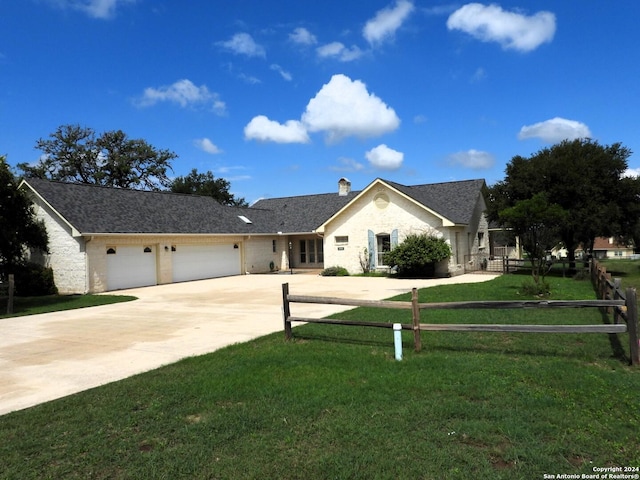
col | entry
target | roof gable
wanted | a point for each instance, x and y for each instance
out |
(453, 202)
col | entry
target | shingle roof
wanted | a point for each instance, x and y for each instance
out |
(455, 201)
(100, 210)
(305, 213)
(95, 209)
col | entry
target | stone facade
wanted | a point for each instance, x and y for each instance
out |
(67, 256)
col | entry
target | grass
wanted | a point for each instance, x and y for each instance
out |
(333, 403)
(54, 303)
(627, 270)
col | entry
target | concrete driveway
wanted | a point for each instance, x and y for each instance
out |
(48, 356)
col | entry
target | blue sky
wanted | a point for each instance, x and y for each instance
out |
(285, 97)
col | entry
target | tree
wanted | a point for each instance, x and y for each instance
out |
(207, 185)
(537, 223)
(581, 177)
(417, 255)
(20, 230)
(76, 154)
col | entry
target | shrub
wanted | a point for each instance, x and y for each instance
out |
(536, 289)
(417, 255)
(335, 272)
(32, 279)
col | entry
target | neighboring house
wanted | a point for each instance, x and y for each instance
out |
(103, 239)
(611, 248)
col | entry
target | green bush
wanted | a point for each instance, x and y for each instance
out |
(335, 272)
(32, 279)
(417, 255)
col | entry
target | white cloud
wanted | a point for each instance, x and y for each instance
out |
(384, 25)
(474, 159)
(344, 107)
(555, 130)
(284, 74)
(384, 158)
(632, 172)
(184, 93)
(511, 30)
(347, 165)
(339, 51)
(479, 75)
(207, 145)
(244, 44)
(302, 36)
(262, 129)
(103, 9)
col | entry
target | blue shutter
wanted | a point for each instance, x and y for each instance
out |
(394, 239)
(372, 249)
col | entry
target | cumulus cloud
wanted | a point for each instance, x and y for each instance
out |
(243, 44)
(338, 51)
(184, 93)
(343, 107)
(207, 145)
(384, 158)
(555, 130)
(103, 9)
(632, 172)
(474, 159)
(384, 25)
(284, 74)
(490, 23)
(302, 36)
(262, 129)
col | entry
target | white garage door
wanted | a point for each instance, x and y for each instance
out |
(131, 266)
(195, 262)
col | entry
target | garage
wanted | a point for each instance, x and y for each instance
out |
(196, 262)
(130, 266)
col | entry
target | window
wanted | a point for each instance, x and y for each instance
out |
(341, 239)
(244, 219)
(147, 250)
(480, 239)
(311, 251)
(111, 250)
(303, 251)
(383, 246)
(273, 246)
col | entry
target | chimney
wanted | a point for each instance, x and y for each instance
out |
(344, 187)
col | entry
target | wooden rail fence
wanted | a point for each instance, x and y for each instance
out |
(626, 308)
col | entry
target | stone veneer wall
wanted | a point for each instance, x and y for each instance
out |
(66, 256)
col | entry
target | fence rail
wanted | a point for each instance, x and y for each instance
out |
(625, 308)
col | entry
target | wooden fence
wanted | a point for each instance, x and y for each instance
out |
(626, 308)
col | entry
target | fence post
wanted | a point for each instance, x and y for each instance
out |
(632, 326)
(286, 311)
(11, 291)
(415, 314)
(617, 282)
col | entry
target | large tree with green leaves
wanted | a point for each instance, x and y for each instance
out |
(537, 223)
(206, 184)
(19, 228)
(583, 178)
(76, 154)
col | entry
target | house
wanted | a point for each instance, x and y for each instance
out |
(104, 239)
(611, 247)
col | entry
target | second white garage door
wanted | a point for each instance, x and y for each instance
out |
(195, 262)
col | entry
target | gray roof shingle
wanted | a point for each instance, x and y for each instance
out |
(101, 210)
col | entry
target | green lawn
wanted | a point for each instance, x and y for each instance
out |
(333, 403)
(627, 270)
(55, 303)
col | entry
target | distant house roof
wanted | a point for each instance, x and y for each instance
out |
(610, 243)
(91, 209)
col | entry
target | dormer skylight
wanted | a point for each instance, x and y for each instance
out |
(244, 219)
